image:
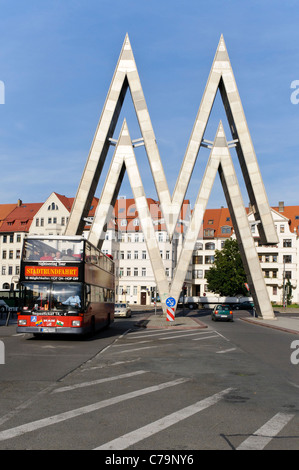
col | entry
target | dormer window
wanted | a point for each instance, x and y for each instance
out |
(53, 207)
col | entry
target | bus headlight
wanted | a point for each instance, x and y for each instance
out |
(22, 322)
(76, 323)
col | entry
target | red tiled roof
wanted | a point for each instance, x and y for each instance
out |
(126, 209)
(5, 210)
(291, 213)
(19, 219)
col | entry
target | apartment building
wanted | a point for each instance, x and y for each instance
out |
(135, 282)
(278, 262)
(12, 231)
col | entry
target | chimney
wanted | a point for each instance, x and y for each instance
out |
(19, 203)
(281, 206)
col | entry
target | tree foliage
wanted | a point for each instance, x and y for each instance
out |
(227, 275)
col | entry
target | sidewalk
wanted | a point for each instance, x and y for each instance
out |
(180, 323)
(287, 324)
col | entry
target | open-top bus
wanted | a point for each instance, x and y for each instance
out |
(67, 286)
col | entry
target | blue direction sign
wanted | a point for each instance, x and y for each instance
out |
(170, 302)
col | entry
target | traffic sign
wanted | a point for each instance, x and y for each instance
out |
(170, 302)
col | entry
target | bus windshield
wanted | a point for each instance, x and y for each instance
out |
(47, 296)
(55, 249)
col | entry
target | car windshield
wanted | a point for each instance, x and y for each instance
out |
(223, 307)
(120, 305)
(45, 296)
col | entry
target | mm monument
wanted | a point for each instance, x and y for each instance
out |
(221, 77)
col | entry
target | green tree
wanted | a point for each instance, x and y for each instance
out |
(227, 275)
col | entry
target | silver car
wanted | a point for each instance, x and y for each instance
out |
(122, 310)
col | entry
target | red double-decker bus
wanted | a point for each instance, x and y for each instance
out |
(67, 286)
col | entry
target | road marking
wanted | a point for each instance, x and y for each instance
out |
(206, 337)
(127, 343)
(131, 438)
(42, 423)
(263, 436)
(185, 334)
(99, 381)
(136, 349)
(225, 351)
(102, 366)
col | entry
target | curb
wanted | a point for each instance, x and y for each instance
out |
(274, 327)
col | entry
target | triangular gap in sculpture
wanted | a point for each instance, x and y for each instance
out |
(219, 160)
(126, 75)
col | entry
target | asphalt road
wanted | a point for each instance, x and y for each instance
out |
(230, 386)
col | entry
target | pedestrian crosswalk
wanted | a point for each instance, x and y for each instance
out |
(187, 402)
(257, 440)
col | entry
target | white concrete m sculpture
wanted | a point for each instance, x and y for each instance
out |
(221, 77)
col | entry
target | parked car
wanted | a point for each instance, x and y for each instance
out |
(122, 310)
(222, 312)
(243, 306)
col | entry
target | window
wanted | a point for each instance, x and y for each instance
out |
(210, 222)
(287, 258)
(62, 220)
(18, 238)
(135, 254)
(136, 222)
(11, 238)
(4, 238)
(143, 254)
(209, 259)
(281, 228)
(197, 274)
(10, 256)
(128, 272)
(288, 274)
(210, 246)
(4, 254)
(136, 272)
(226, 229)
(123, 222)
(160, 237)
(167, 254)
(143, 272)
(134, 290)
(208, 233)
(197, 259)
(274, 290)
(3, 270)
(129, 256)
(287, 243)
(122, 255)
(53, 207)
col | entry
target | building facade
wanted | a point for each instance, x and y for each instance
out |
(124, 240)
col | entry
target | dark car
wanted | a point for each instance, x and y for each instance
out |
(222, 312)
(244, 306)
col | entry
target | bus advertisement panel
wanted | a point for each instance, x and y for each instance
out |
(67, 286)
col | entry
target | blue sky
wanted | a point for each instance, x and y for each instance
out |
(57, 58)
